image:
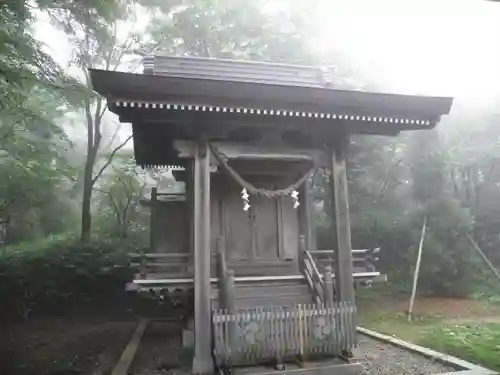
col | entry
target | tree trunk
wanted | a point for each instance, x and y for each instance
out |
(124, 230)
(86, 200)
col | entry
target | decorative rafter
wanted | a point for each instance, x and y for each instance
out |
(270, 112)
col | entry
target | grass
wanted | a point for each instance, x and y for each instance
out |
(478, 343)
(396, 324)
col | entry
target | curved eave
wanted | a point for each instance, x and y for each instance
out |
(190, 91)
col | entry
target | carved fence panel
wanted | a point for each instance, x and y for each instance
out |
(262, 334)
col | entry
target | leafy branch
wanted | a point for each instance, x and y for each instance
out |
(110, 159)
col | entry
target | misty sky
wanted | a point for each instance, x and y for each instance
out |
(433, 47)
(441, 47)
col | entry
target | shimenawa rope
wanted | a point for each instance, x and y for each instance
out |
(251, 189)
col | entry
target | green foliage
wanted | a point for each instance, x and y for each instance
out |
(230, 29)
(477, 343)
(451, 216)
(393, 184)
(33, 177)
(23, 64)
(485, 287)
(46, 276)
(119, 200)
(239, 29)
(35, 93)
(95, 36)
(446, 262)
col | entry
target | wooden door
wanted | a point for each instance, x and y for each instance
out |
(264, 217)
(238, 230)
(251, 235)
(289, 229)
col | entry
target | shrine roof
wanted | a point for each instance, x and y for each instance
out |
(182, 93)
(146, 88)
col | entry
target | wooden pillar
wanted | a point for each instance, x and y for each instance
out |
(202, 361)
(190, 207)
(305, 215)
(312, 216)
(153, 216)
(344, 282)
(302, 252)
(310, 211)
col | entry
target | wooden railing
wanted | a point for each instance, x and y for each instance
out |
(153, 265)
(278, 333)
(317, 265)
(362, 260)
(313, 277)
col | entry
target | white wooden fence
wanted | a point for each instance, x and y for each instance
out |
(263, 334)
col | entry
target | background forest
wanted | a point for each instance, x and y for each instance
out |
(70, 194)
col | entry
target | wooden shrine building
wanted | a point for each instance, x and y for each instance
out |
(248, 137)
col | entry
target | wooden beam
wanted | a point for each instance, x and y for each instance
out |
(233, 150)
(292, 169)
(343, 265)
(375, 276)
(202, 360)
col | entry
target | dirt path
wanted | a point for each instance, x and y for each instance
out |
(51, 346)
(448, 308)
(160, 351)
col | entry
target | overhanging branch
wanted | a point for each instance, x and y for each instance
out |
(110, 159)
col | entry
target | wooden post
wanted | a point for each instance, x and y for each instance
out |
(190, 206)
(328, 288)
(417, 270)
(230, 292)
(221, 273)
(306, 218)
(221, 257)
(311, 210)
(483, 255)
(344, 282)
(230, 300)
(153, 208)
(202, 361)
(302, 252)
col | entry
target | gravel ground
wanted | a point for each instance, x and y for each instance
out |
(385, 359)
(160, 354)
